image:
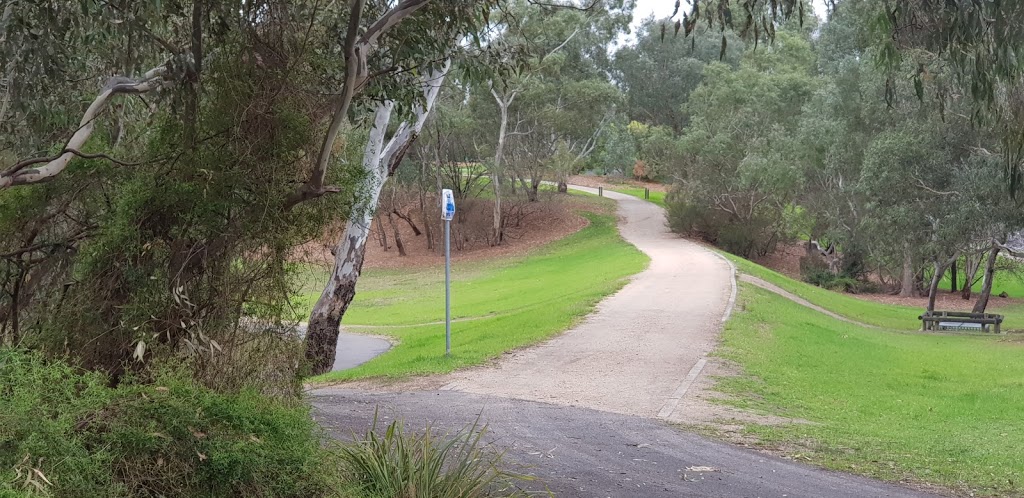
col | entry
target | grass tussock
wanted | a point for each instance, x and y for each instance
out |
(401, 464)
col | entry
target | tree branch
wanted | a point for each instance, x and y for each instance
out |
(19, 175)
(357, 50)
(67, 150)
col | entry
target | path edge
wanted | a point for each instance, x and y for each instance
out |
(673, 401)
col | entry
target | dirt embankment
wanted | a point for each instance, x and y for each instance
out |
(528, 225)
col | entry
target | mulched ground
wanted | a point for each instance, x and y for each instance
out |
(551, 219)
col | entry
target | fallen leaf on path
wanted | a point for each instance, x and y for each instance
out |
(701, 468)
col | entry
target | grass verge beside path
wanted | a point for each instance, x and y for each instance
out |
(939, 409)
(869, 312)
(656, 197)
(861, 310)
(513, 302)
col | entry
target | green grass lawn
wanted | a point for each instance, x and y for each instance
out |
(510, 303)
(943, 409)
(1008, 278)
(656, 197)
(861, 310)
(869, 312)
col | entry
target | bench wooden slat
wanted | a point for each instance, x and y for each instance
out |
(946, 320)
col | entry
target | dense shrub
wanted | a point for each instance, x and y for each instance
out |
(66, 433)
(838, 283)
(748, 238)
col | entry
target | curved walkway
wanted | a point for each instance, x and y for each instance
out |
(354, 349)
(633, 354)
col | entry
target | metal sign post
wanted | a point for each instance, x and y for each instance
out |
(447, 213)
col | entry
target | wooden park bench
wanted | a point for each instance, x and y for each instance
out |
(960, 320)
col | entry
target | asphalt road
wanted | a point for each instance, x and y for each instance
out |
(579, 452)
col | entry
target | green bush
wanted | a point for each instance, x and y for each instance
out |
(66, 433)
(839, 283)
(398, 464)
(747, 238)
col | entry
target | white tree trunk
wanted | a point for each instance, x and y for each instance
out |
(379, 162)
(498, 229)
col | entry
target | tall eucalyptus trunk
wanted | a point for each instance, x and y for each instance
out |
(503, 101)
(379, 162)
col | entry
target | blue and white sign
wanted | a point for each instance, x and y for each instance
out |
(447, 204)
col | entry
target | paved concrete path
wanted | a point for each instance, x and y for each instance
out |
(622, 373)
(356, 349)
(633, 354)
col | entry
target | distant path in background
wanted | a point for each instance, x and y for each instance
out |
(354, 349)
(768, 286)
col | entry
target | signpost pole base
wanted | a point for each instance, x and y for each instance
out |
(447, 291)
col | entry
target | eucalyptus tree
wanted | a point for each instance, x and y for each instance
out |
(134, 199)
(657, 74)
(562, 93)
(897, 181)
(735, 187)
(978, 45)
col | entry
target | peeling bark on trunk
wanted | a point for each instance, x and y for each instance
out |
(907, 277)
(986, 289)
(357, 49)
(325, 320)
(379, 162)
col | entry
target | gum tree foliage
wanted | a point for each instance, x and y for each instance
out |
(616, 149)
(944, 48)
(657, 75)
(206, 136)
(734, 186)
(897, 183)
(660, 151)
